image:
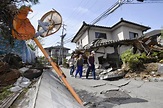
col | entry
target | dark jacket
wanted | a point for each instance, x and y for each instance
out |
(80, 62)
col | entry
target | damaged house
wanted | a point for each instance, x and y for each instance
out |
(154, 38)
(109, 42)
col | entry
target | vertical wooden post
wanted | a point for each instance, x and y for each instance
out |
(59, 72)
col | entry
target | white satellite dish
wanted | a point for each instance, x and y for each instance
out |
(49, 24)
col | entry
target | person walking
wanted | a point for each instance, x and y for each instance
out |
(79, 64)
(91, 65)
(71, 62)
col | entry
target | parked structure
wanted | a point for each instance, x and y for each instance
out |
(108, 42)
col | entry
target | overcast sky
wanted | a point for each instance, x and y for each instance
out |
(74, 12)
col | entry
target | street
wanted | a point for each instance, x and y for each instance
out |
(123, 93)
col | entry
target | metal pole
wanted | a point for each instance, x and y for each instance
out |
(59, 72)
(62, 46)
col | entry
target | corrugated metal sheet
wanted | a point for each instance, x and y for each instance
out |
(53, 94)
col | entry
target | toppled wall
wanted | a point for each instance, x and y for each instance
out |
(19, 47)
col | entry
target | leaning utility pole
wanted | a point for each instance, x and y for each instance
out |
(62, 46)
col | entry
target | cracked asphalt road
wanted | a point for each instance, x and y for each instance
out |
(123, 93)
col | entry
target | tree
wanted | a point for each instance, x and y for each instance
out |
(8, 8)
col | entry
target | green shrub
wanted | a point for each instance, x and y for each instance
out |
(155, 56)
(160, 55)
(134, 61)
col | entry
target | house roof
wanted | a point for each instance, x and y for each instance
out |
(56, 47)
(85, 26)
(104, 43)
(153, 33)
(130, 24)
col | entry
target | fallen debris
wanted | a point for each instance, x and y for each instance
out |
(106, 91)
(21, 83)
(11, 74)
(32, 73)
(112, 75)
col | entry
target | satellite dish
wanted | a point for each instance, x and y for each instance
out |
(50, 23)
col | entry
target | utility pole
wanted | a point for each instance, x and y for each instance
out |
(61, 46)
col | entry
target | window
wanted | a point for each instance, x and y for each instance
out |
(100, 35)
(56, 50)
(133, 35)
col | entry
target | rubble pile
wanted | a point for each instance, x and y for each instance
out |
(111, 74)
(16, 75)
(11, 68)
(152, 72)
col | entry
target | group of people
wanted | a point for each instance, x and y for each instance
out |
(77, 64)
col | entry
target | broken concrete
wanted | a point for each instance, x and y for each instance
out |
(160, 68)
(112, 75)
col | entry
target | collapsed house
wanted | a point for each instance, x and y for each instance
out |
(110, 42)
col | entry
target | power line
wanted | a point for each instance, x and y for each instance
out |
(108, 11)
(75, 12)
(117, 5)
(147, 1)
(114, 7)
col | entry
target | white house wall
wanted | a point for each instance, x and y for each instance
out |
(126, 31)
(122, 33)
(103, 50)
(118, 34)
(100, 30)
(83, 40)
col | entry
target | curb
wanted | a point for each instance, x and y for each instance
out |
(37, 90)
